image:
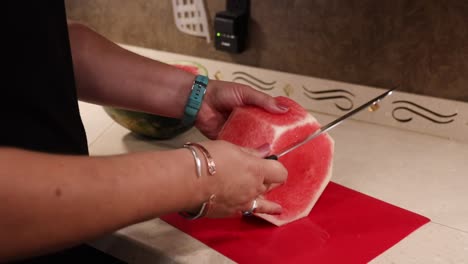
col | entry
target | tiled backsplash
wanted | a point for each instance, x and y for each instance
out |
(420, 44)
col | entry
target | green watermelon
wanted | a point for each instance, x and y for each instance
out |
(150, 125)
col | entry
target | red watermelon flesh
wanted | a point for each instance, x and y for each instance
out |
(309, 166)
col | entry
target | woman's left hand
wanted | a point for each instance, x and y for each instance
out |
(222, 97)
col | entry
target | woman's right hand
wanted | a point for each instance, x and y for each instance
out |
(242, 175)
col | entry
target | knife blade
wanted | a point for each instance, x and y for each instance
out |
(331, 125)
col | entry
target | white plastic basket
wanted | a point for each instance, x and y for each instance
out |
(190, 17)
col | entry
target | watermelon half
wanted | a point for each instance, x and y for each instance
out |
(309, 166)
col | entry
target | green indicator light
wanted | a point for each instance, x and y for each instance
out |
(218, 34)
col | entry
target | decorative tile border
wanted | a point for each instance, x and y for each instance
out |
(243, 77)
(336, 95)
(422, 114)
(420, 111)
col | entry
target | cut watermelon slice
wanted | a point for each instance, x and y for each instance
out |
(309, 166)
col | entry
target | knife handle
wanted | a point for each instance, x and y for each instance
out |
(272, 157)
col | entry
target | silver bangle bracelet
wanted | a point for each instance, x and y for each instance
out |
(193, 147)
(209, 160)
(196, 158)
(203, 210)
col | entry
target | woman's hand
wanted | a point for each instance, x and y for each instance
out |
(222, 97)
(242, 175)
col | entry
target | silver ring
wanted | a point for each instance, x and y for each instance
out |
(252, 209)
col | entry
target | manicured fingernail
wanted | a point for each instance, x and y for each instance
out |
(264, 149)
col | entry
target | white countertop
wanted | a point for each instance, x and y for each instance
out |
(424, 173)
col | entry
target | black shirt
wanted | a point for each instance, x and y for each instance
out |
(39, 107)
(38, 101)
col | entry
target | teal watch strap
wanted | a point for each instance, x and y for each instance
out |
(195, 100)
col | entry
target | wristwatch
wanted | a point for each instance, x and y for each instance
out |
(195, 100)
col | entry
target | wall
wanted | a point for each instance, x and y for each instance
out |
(420, 45)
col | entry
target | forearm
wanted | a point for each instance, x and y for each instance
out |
(108, 74)
(52, 201)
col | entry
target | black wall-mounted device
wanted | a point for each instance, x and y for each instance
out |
(231, 26)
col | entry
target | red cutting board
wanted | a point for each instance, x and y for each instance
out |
(345, 226)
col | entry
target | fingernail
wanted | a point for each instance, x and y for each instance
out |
(264, 149)
(283, 108)
(278, 211)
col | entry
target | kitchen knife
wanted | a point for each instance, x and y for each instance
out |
(331, 125)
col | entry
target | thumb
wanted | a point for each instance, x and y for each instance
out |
(260, 152)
